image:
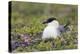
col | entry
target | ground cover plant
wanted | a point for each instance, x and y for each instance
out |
(27, 27)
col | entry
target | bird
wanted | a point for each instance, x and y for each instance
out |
(53, 28)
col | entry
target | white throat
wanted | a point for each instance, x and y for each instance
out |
(54, 23)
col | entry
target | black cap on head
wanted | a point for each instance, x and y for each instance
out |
(49, 20)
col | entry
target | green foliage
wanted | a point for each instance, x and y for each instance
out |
(44, 46)
(28, 18)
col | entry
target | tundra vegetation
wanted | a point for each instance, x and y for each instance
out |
(27, 27)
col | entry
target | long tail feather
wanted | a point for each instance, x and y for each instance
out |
(66, 24)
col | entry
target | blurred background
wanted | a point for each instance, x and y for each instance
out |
(26, 23)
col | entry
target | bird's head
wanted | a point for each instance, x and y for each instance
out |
(51, 22)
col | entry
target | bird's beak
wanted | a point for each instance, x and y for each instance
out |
(44, 22)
